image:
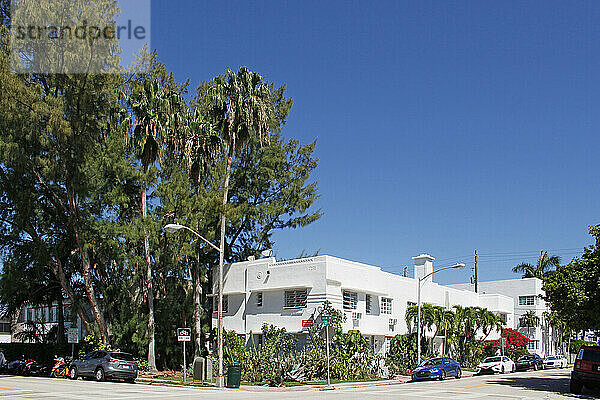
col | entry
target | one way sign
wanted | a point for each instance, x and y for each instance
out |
(184, 334)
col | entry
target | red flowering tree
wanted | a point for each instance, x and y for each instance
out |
(516, 344)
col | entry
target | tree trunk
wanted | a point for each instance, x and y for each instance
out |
(198, 348)
(149, 288)
(60, 339)
(64, 283)
(87, 274)
(221, 260)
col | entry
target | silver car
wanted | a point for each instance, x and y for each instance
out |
(104, 365)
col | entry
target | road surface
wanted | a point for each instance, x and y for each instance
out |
(546, 384)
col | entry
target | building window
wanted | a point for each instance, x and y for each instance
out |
(526, 300)
(259, 299)
(52, 314)
(216, 304)
(67, 314)
(368, 300)
(295, 298)
(4, 327)
(386, 305)
(30, 315)
(387, 344)
(350, 300)
(533, 345)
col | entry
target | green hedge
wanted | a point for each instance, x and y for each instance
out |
(38, 351)
(577, 343)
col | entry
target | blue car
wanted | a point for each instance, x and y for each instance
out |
(437, 368)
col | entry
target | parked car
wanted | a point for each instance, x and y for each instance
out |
(491, 365)
(586, 371)
(104, 365)
(530, 361)
(555, 362)
(437, 368)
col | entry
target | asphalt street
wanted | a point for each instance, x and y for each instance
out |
(547, 384)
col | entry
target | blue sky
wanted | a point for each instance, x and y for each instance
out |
(442, 127)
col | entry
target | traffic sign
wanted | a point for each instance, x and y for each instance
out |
(184, 334)
(326, 320)
(307, 323)
(73, 335)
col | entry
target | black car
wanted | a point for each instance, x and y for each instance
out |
(530, 361)
(586, 371)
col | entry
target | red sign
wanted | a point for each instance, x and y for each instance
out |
(306, 323)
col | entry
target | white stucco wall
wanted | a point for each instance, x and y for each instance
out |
(325, 278)
(515, 288)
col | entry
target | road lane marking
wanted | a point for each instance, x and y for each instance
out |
(472, 386)
(3, 388)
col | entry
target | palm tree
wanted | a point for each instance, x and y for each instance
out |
(529, 320)
(427, 317)
(489, 321)
(240, 107)
(442, 319)
(544, 264)
(154, 111)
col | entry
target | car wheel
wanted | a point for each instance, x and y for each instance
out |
(502, 370)
(575, 387)
(535, 367)
(514, 368)
(458, 373)
(442, 375)
(99, 375)
(130, 380)
(73, 373)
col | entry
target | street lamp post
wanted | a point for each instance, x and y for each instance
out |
(420, 282)
(175, 227)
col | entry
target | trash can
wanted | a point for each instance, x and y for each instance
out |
(234, 375)
(199, 369)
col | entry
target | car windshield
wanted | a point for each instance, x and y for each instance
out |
(431, 362)
(492, 359)
(528, 357)
(122, 356)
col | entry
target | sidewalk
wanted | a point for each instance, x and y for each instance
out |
(297, 388)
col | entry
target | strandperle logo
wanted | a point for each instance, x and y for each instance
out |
(77, 36)
(82, 32)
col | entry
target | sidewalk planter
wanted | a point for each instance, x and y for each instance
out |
(234, 375)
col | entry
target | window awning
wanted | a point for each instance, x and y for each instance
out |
(273, 288)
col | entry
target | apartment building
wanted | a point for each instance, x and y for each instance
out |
(289, 294)
(526, 295)
(40, 319)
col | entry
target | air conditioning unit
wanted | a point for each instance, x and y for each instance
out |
(356, 315)
(393, 321)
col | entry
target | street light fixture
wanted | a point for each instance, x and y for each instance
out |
(420, 281)
(175, 227)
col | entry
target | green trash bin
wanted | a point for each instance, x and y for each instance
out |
(234, 375)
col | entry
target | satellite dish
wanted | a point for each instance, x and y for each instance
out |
(267, 253)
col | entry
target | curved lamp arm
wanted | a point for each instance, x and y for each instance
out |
(175, 227)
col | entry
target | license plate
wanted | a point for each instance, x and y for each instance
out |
(126, 366)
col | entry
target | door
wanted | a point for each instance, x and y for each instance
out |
(84, 367)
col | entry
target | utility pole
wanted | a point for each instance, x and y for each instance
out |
(476, 289)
